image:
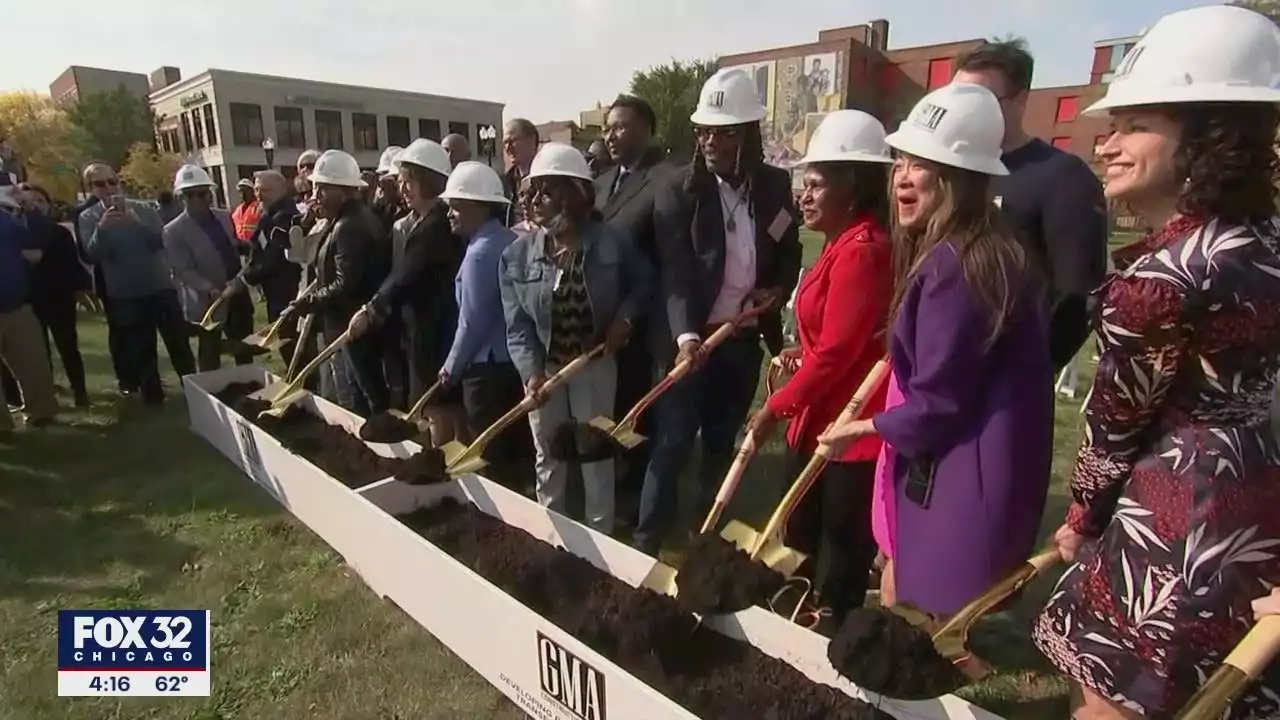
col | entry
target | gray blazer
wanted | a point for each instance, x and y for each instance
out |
(197, 266)
(619, 284)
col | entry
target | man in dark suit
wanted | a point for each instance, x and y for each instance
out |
(727, 240)
(519, 145)
(624, 197)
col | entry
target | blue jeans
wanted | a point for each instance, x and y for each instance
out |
(715, 401)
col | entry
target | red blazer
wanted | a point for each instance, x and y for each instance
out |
(841, 311)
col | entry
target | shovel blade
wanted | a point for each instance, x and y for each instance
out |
(270, 391)
(774, 554)
(459, 462)
(603, 424)
(468, 466)
(281, 404)
(740, 534)
(661, 578)
(628, 438)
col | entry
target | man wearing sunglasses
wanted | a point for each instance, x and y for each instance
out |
(127, 239)
(201, 247)
(728, 241)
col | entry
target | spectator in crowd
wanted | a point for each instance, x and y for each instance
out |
(973, 435)
(101, 187)
(1172, 531)
(126, 237)
(21, 347)
(245, 215)
(519, 145)
(598, 158)
(168, 206)
(566, 287)
(841, 310)
(728, 239)
(458, 148)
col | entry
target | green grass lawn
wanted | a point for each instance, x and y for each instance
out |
(120, 506)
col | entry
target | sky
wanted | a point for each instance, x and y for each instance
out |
(544, 59)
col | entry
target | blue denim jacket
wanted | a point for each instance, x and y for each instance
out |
(619, 282)
(482, 333)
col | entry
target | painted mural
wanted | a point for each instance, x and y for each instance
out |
(798, 92)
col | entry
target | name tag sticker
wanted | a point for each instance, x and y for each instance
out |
(779, 226)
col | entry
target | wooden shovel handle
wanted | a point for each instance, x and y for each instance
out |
(684, 367)
(304, 337)
(421, 404)
(530, 403)
(878, 374)
(1258, 648)
(1236, 674)
(315, 363)
(730, 484)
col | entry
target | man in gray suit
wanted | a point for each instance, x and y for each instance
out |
(202, 254)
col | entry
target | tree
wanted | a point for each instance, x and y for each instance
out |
(110, 123)
(1270, 8)
(148, 172)
(672, 89)
(43, 142)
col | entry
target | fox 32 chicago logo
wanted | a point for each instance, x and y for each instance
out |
(133, 652)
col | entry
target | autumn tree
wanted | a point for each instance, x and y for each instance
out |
(43, 142)
(111, 123)
(148, 172)
(1270, 8)
(672, 89)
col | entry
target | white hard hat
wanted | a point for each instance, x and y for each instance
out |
(245, 183)
(191, 176)
(728, 98)
(335, 167)
(386, 163)
(958, 125)
(555, 158)
(308, 156)
(847, 136)
(472, 180)
(1217, 53)
(425, 153)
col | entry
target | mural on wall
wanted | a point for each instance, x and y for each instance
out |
(798, 92)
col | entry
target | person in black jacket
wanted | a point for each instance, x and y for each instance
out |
(351, 262)
(268, 268)
(426, 255)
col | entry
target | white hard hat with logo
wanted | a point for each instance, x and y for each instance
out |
(958, 125)
(191, 176)
(558, 159)
(472, 180)
(847, 136)
(386, 163)
(425, 153)
(729, 97)
(1218, 53)
(335, 167)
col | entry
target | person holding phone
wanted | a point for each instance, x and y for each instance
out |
(973, 435)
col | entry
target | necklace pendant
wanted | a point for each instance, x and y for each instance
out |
(730, 224)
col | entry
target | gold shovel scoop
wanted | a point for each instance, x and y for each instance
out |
(294, 390)
(268, 338)
(1245, 663)
(766, 545)
(624, 432)
(461, 459)
(207, 323)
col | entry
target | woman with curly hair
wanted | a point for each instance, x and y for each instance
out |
(1173, 528)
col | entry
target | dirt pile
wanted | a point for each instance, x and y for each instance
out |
(337, 452)
(650, 635)
(882, 652)
(387, 428)
(718, 577)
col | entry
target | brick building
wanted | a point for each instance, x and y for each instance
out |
(853, 67)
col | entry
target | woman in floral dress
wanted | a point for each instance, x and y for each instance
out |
(1175, 522)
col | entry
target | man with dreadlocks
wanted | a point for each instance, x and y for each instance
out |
(727, 240)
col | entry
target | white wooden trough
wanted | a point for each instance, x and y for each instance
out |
(545, 671)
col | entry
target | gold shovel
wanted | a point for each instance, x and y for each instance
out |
(766, 545)
(415, 412)
(624, 432)
(1245, 663)
(294, 390)
(462, 459)
(269, 337)
(207, 323)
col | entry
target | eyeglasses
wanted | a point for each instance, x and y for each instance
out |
(109, 182)
(706, 133)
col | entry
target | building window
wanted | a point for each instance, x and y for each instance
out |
(210, 130)
(329, 129)
(1117, 54)
(939, 72)
(187, 143)
(197, 127)
(290, 132)
(364, 127)
(246, 124)
(1062, 143)
(1068, 108)
(397, 130)
(429, 129)
(461, 128)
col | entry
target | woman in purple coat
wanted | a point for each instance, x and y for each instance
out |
(974, 434)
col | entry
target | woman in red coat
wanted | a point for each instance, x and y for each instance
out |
(841, 310)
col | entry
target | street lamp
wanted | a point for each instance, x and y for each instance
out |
(488, 141)
(269, 149)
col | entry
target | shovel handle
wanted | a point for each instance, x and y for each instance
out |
(315, 363)
(528, 404)
(421, 404)
(879, 372)
(971, 613)
(213, 308)
(304, 336)
(730, 484)
(1248, 660)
